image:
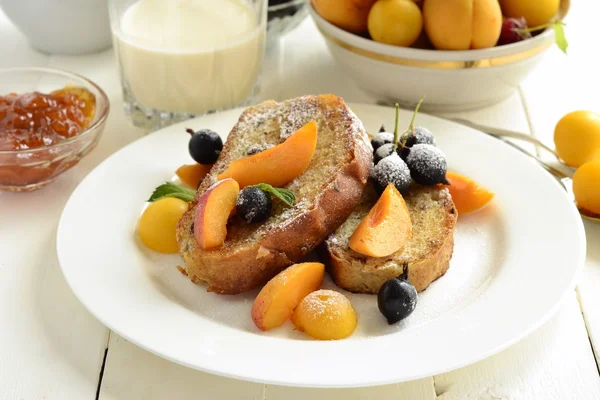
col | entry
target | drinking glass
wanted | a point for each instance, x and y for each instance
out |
(179, 59)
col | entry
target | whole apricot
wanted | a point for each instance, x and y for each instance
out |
(157, 225)
(350, 15)
(325, 315)
(586, 187)
(535, 12)
(462, 24)
(577, 137)
(395, 22)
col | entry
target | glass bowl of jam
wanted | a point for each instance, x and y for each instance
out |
(49, 120)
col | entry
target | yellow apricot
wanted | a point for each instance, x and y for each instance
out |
(158, 223)
(325, 315)
(395, 22)
(586, 187)
(535, 12)
(350, 15)
(462, 24)
(577, 137)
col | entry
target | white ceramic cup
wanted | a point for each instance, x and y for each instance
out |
(66, 27)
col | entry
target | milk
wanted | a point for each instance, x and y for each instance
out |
(190, 56)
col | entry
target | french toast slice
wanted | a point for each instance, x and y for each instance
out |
(426, 255)
(327, 192)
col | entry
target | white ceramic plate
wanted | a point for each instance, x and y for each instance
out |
(512, 264)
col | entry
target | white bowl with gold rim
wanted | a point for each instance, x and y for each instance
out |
(449, 80)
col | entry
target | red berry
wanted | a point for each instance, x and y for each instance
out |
(513, 31)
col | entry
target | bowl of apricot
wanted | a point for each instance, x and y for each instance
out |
(459, 54)
(49, 121)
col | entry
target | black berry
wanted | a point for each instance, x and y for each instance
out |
(427, 164)
(419, 135)
(396, 299)
(382, 152)
(382, 138)
(253, 204)
(205, 146)
(412, 135)
(392, 169)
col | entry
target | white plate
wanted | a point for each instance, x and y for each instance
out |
(512, 264)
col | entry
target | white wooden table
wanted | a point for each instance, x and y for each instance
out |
(51, 348)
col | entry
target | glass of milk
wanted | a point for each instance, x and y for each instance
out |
(183, 58)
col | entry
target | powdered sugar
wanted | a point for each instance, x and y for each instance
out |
(291, 215)
(253, 205)
(300, 112)
(392, 169)
(357, 129)
(382, 138)
(324, 304)
(421, 135)
(427, 164)
(421, 154)
(383, 151)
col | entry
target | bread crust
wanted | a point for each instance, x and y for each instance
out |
(354, 278)
(233, 270)
(361, 274)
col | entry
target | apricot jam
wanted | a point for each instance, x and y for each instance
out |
(36, 119)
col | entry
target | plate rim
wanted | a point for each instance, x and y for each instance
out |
(577, 269)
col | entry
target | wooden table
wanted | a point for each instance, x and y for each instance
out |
(51, 348)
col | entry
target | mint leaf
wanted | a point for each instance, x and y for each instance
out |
(169, 189)
(559, 34)
(287, 196)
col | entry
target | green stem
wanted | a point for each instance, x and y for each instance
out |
(541, 27)
(411, 127)
(396, 135)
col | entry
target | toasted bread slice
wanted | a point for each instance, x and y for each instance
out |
(426, 255)
(327, 192)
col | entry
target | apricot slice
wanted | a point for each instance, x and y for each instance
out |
(192, 174)
(387, 227)
(325, 315)
(278, 165)
(278, 298)
(213, 210)
(468, 195)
